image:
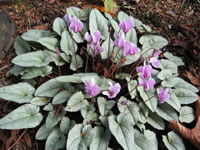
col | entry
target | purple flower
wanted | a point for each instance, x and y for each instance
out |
(96, 37)
(119, 41)
(147, 84)
(145, 70)
(154, 60)
(94, 41)
(163, 95)
(91, 88)
(74, 23)
(88, 38)
(113, 90)
(126, 25)
(129, 48)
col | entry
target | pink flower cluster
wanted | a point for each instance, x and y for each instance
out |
(74, 23)
(94, 41)
(93, 89)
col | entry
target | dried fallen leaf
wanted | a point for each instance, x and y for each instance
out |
(191, 134)
(41, 27)
(100, 8)
(27, 139)
(193, 76)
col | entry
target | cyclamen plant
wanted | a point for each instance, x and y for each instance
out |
(99, 87)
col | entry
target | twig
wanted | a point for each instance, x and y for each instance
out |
(17, 140)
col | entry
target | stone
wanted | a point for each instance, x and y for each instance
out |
(7, 32)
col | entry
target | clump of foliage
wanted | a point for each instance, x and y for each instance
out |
(96, 81)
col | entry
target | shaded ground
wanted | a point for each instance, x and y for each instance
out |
(182, 32)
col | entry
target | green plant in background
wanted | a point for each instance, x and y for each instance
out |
(97, 82)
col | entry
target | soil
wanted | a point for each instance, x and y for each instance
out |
(176, 21)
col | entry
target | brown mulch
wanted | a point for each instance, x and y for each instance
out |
(181, 28)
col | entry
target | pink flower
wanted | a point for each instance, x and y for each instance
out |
(94, 41)
(126, 25)
(113, 90)
(119, 41)
(91, 88)
(147, 84)
(74, 23)
(129, 49)
(154, 60)
(145, 70)
(163, 95)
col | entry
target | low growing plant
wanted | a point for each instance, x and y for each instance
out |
(97, 82)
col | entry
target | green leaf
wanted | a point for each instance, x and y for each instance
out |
(168, 65)
(21, 46)
(76, 62)
(32, 59)
(56, 140)
(152, 103)
(36, 71)
(98, 22)
(185, 96)
(43, 132)
(104, 105)
(17, 70)
(59, 25)
(155, 121)
(122, 16)
(180, 83)
(79, 137)
(130, 108)
(132, 36)
(173, 142)
(165, 75)
(75, 78)
(39, 101)
(178, 61)
(58, 60)
(166, 112)
(48, 107)
(141, 27)
(101, 138)
(74, 11)
(89, 114)
(49, 42)
(104, 54)
(186, 114)
(110, 5)
(66, 124)
(52, 121)
(173, 101)
(66, 43)
(153, 41)
(35, 35)
(19, 93)
(50, 88)
(122, 129)
(146, 141)
(132, 85)
(123, 76)
(114, 25)
(25, 116)
(76, 102)
(61, 97)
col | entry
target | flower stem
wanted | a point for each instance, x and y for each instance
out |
(149, 98)
(73, 43)
(131, 90)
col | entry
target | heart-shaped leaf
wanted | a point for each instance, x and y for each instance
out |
(25, 116)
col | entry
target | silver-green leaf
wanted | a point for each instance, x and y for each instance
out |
(19, 93)
(25, 116)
